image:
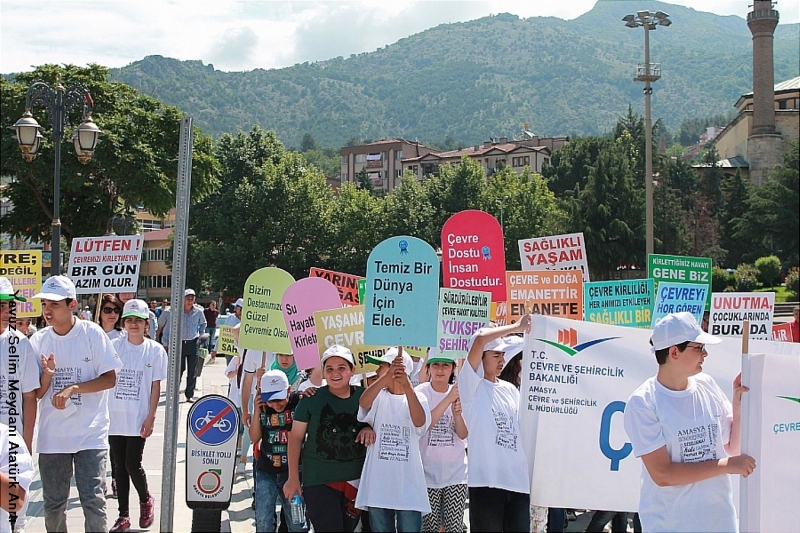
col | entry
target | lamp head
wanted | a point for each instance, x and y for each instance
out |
(28, 135)
(85, 139)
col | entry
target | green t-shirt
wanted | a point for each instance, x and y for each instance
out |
(331, 453)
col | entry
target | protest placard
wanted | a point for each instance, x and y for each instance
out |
(622, 303)
(730, 309)
(23, 268)
(461, 313)
(299, 302)
(782, 332)
(105, 264)
(473, 253)
(263, 327)
(556, 252)
(556, 293)
(498, 313)
(576, 380)
(678, 297)
(402, 293)
(681, 269)
(346, 284)
(226, 344)
(771, 435)
(345, 326)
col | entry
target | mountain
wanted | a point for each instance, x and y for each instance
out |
(484, 78)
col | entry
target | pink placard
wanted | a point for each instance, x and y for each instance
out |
(299, 303)
(473, 253)
(782, 332)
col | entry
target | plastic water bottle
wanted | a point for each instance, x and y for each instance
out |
(298, 510)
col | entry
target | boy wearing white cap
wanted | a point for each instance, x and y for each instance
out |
(392, 484)
(274, 407)
(499, 488)
(683, 427)
(73, 419)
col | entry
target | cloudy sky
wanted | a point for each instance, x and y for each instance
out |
(248, 34)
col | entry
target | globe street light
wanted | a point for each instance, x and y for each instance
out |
(648, 73)
(58, 101)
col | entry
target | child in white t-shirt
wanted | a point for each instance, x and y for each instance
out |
(132, 411)
(392, 486)
(444, 448)
(687, 434)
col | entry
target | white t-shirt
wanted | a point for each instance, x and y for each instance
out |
(234, 392)
(16, 354)
(129, 400)
(444, 454)
(115, 334)
(393, 476)
(694, 424)
(81, 355)
(22, 464)
(252, 362)
(490, 411)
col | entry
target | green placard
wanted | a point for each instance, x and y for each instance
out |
(362, 288)
(680, 269)
(263, 326)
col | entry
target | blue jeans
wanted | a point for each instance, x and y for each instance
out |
(55, 470)
(269, 487)
(384, 520)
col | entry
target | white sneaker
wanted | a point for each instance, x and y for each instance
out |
(240, 468)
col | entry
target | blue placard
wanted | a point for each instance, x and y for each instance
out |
(402, 296)
(676, 297)
(213, 420)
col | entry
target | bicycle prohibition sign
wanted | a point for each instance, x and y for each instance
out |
(213, 420)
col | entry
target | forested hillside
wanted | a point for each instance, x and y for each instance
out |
(469, 81)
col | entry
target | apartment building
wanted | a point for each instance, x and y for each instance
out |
(382, 161)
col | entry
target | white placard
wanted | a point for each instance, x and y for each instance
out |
(556, 252)
(105, 264)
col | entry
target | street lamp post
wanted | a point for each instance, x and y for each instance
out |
(501, 202)
(648, 73)
(58, 101)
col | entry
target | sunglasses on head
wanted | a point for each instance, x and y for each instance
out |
(109, 310)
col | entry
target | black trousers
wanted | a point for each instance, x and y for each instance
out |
(189, 365)
(495, 510)
(328, 509)
(127, 453)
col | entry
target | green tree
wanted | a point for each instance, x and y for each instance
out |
(735, 194)
(408, 210)
(271, 210)
(457, 188)
(768, 269)
(530, 209)
(308, 143)
(569, 166)
(772, 215)
(363, 181)
(610, 215)
(357, 225)
(134, 165)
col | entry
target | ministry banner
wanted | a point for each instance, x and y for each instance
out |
(771, 434)
(576, 379)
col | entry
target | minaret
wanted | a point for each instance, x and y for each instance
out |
(764, 143)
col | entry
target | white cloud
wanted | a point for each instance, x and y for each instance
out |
(248, 34)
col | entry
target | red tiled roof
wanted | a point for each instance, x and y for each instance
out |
(158, 235)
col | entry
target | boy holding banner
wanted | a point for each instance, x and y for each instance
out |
(499, 487)
(687, 433)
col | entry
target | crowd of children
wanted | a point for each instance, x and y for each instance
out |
(337, 455)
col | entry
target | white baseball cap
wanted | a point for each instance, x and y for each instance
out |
(337, 350)
(7, 291)
(389, 356)
(274, 386)
(135, 308)
(510, 345)
(239, 303)
(57, 288)
(188, 292)
(676, 328)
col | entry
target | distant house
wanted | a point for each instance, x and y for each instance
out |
(155, 277)
(382, 161)
(387, 160)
